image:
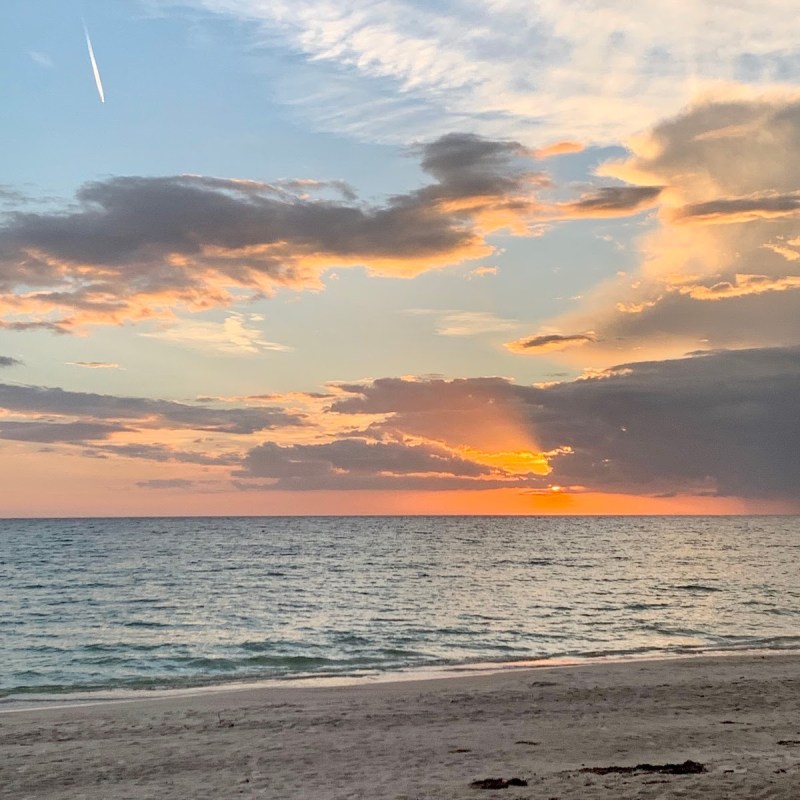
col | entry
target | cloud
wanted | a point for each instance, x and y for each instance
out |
(474, 416)
(719, 422)
(42, 59)
(401, 69)
(144, 248)
(133, 248)
(307, 187)
(167, 483)
(142, 412)
(10, 196)
(351, 463)
(729, 159)
(548, 341)
(740, 286)
(180, 484)
(465, 323)
(714, 423)
(52, 432)
(481, 272)
(94, 364)
(60, 326)
(232, 336)
(613, 201)
(768, 205)
(559, 149)
(164, 454)
(8, 361)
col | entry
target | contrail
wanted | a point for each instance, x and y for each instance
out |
(94, 65)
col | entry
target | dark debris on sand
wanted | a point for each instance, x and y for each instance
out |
(688, 767)
(498, 783)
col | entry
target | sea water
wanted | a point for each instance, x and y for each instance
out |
(103, 604)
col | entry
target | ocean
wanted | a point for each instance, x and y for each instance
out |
(98, 605)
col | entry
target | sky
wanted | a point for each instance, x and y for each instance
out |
(395, 257)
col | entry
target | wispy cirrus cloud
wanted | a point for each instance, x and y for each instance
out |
(400, 69)
(42, 59)
(450, 322)
(233, 336)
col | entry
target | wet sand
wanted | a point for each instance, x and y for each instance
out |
(737, 716)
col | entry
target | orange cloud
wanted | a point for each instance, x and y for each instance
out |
(730, 159)
(741, 286)
(558, 149)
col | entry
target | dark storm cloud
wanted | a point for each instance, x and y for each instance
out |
(724, 420)
(8, 361)
(145, 412)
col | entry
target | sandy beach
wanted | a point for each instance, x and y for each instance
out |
(736, 720)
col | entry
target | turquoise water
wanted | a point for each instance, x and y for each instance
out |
(88, 604)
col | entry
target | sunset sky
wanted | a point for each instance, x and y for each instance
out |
(314, 257)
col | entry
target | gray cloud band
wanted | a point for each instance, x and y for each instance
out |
(720, 422)
(94, 408)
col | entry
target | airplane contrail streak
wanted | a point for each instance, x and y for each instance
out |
(95, 70)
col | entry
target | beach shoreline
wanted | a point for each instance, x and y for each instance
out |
(12, 703)
(737, 715)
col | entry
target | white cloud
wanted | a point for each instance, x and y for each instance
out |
(527, 68)
(231, 336)
(466, 323)
(42, 59)
(94, 364)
